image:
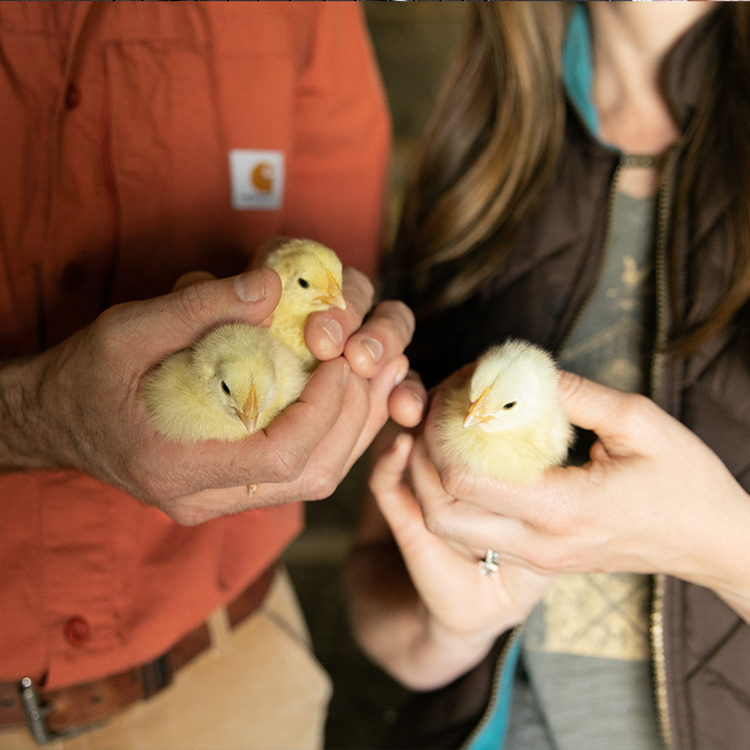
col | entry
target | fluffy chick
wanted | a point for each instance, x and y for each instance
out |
(506, 422)
(232, 382)
(311, 278)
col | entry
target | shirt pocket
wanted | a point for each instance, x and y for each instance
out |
(175, 111)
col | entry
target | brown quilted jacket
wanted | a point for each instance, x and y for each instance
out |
(700, 647)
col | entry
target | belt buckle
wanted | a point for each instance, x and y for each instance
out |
(35, 712)
(155, 676)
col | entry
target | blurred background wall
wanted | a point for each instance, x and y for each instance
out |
(413, 42)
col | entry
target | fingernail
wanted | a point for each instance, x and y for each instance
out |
(374, 347)
(401, 376)
(334, 331)
(418, 400)
(250, 286)
(398, 442)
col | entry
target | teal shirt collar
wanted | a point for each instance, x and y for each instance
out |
(578, 72)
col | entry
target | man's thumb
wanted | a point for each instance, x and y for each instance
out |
(174, 321)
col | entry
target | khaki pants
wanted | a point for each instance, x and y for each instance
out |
(258, 687)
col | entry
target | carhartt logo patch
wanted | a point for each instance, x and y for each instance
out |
(257, 179)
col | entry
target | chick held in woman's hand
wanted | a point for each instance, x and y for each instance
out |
(506, 421)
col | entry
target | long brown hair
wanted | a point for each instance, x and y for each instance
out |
(494, 139)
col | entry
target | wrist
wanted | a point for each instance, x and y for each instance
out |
(723, 564)
(19, 388)
(30, 436)
(464, 641)
(731, 582)
(455, 651)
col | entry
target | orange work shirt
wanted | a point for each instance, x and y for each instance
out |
(139, 141)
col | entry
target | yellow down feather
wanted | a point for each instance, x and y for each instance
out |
(311, 278)
(237, 378)
(232, 382)
(506, 422)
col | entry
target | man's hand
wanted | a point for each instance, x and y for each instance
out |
(370, 340)
(79, 405)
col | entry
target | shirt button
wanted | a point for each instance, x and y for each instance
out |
(73, 276)
(72, 97)
(77, 631)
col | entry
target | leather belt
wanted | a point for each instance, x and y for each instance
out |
(64, 712)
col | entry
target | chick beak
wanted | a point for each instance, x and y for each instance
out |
(249, 412)
(478, 410)
(333, 296)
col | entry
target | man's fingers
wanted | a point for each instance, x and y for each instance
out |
(331, 459)
(363, 415)
(381, 388)
(383, 336)
(250, 297)
(358, 293)
(327, 331)
(295, 434)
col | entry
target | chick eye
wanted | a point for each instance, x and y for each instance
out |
(303, 283)
(509, 405)
(225, 388)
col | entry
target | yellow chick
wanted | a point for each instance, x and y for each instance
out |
(506, 422)
(232, 382)
(311, 281)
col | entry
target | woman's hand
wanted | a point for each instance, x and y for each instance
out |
(449, 615)
(652, 499)
(447, 575)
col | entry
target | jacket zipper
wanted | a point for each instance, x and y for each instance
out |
(659, 662)
(515, 634)
(655, 379)
(657, 610)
